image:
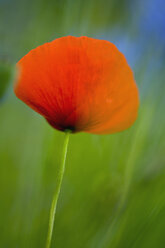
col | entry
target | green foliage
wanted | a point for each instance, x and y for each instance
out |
(6, 74)
(113, 193)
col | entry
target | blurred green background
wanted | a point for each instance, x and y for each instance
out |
(113, 193)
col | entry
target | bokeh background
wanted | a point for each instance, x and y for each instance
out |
(113, 193)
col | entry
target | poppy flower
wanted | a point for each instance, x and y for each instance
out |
(79, 84)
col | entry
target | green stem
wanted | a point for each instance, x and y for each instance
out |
(57, 190)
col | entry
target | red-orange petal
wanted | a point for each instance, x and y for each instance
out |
(82, 84)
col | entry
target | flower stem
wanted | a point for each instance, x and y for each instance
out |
(57, 190)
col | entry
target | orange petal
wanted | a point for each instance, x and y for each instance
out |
(82, 84)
